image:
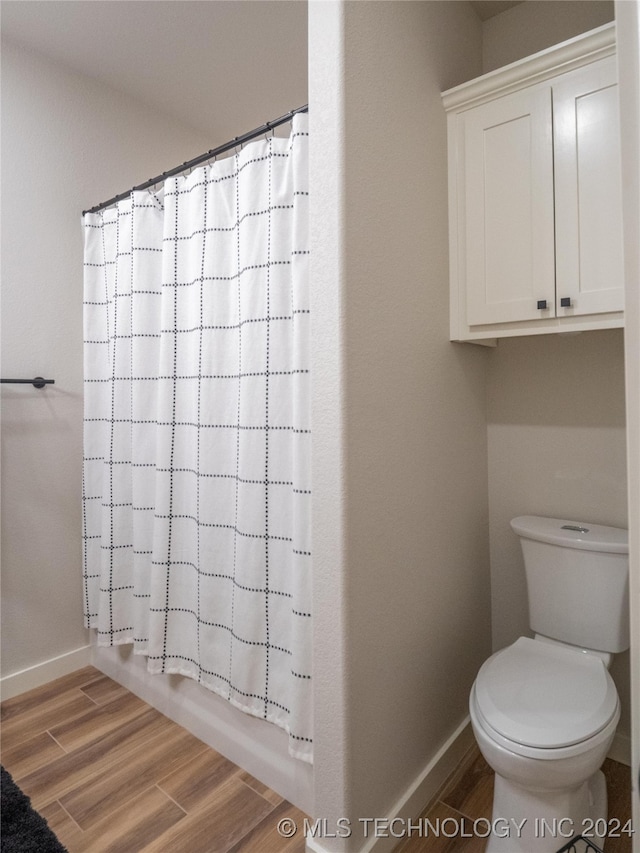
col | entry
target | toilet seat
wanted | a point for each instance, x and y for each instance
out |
(536, 696)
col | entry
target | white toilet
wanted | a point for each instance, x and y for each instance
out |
(544, 711)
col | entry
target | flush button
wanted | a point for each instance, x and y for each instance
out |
(575, 527)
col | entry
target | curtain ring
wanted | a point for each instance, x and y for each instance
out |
(154, 198)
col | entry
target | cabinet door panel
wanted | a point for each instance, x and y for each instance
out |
(588, 190)
(509, 208)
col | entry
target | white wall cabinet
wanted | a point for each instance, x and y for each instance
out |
(535, 211)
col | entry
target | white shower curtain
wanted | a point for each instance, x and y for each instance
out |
(196, 488)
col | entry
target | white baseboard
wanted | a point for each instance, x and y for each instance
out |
(419, 793)
(621, 749)
(42, 673)
(429, 782)
(255, 745)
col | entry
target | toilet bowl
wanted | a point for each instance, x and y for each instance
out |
(544, 717)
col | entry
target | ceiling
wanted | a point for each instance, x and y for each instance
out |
(219, 67)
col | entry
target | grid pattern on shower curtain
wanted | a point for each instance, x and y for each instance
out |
(196, 488)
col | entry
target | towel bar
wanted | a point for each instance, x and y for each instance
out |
(37, 382)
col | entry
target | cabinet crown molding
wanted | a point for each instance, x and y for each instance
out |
(560, 58)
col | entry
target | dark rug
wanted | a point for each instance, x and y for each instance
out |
(22, 829)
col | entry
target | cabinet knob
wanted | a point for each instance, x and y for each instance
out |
(565, 302)
(542, 304)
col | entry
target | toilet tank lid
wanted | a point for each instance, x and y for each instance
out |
(572, 534)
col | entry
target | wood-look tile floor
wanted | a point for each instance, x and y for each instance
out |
(110, 773)
(468, 796)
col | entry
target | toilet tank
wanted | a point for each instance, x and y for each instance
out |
(578, 581)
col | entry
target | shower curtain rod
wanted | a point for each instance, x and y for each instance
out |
(202, 158)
